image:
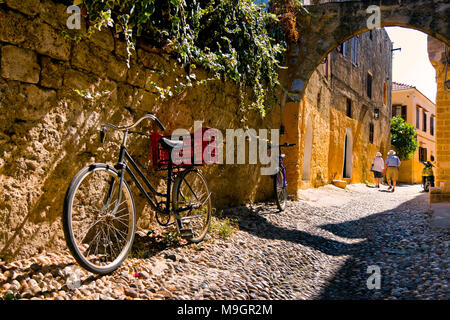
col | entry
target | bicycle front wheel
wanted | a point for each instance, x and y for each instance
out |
(99, 226)
(192, 205)
(280, 189)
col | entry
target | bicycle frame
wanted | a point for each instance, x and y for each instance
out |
(122, 165)
(280, 163)
(282, 167)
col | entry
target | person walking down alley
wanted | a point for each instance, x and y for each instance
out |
(378, 168)
(392, 164)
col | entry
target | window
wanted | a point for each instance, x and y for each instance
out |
(432, 125)
(345, 48)
(369, 85)
(349, 108)
(394, 111)
(404, 113)
(376, 113)
(417, 118)
(385, 95)
(371, 130)
(424, 125)
(400, 111)
(355, 51)
(370, 35)
(422, 154)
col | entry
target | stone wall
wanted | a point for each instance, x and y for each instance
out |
(335, 22)
(436, 52)
(48, 132)
(324, 105)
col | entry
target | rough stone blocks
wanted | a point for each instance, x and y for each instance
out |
(19, 64)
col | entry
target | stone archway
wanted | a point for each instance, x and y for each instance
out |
(330, 24)
(333, 23)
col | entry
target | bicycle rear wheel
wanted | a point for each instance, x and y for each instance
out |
(280, 190)
(192, 205)
(99, 230)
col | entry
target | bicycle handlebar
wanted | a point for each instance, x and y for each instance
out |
(126, 128)
(288, 145)
(283, 145)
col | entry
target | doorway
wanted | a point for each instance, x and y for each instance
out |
(348, 155)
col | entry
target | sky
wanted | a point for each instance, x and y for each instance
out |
(411, 65)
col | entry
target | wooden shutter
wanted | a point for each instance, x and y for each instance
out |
(369, 85)
(404, 112)
(371, 132)
(424, 122)
(418, 118)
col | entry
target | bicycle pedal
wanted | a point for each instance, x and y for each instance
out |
(186, 233)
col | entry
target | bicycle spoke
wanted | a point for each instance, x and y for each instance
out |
(111, 243)
(120, 232)
(193, 206)
(109, 195)
(120, 217)
(89, 246)
(100, 227)
(190, 189)
(89, 228)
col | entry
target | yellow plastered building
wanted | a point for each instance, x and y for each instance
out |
(419, 111)
(344, 117)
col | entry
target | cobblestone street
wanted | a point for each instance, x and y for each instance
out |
(315, 249)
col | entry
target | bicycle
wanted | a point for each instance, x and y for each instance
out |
(99, 214)
(280, 180)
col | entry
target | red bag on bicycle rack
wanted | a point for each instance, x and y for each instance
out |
(160, 156)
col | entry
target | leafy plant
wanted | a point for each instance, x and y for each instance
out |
(223, 227)
(403, 138)
(9, 296)
(231, 39)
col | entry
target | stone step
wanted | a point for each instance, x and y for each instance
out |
(340, 183)
(439, 207)
(439, 197)
(436, 190)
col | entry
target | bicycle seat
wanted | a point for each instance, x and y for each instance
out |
(171, 144)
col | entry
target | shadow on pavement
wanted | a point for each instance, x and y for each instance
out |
(383, 238)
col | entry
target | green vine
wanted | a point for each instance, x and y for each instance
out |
(231, 39)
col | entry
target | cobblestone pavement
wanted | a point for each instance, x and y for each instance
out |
(309, 251)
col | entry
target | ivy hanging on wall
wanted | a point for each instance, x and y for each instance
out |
(234, 40)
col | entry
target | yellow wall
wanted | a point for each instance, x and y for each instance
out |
(411, 170)
(436, 54)
(329, 129)
(443, 133)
